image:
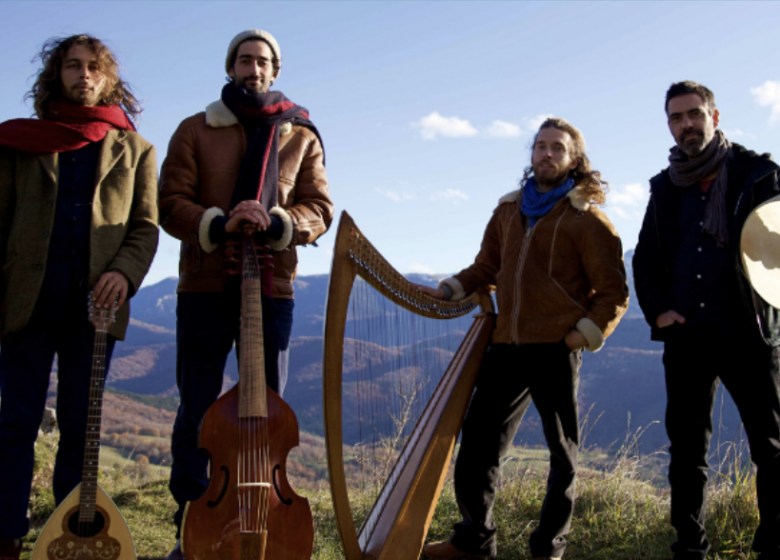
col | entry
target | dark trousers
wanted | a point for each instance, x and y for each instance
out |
(207, 326)
(751, 373)
(511, 376)
(26, 361)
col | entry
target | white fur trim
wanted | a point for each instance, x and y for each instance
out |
(219, 116)
(509, 197)
(287, 234)
(592, 334)
(203, 228)
(578, 199)
(458, 292)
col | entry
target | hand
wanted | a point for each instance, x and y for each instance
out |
(669, 318)
(250, 211)
(437, 293)
(111, 287)
(575, 340)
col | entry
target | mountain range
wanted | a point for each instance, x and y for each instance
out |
(621, 391)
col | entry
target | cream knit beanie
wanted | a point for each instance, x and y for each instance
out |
(250, 34)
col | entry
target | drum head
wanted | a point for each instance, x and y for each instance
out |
(760, 248)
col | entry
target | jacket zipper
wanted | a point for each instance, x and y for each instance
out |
(518, 273)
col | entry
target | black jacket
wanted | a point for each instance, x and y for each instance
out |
(752, 180)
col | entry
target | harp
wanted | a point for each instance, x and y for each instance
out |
(413, 464)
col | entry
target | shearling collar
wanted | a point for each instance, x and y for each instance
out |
(219, 116)
(576, 196)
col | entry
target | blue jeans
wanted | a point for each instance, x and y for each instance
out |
(207, 326)
(25, 364)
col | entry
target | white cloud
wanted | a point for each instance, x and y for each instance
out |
(450, 194)
(395, 196)
(733, 133)
(768, 95)
(501, 129)
(421, 268)
(449, 127)
(631, 195)
(620, 212)
(533, 123)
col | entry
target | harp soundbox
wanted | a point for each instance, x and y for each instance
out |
(405, 370)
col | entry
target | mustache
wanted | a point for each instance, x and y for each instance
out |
(692, 130)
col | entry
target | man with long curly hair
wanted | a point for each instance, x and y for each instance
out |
(78, 213)
(557, 264)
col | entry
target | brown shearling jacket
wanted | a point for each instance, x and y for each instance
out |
(196, 185)
(566, 272)
(124, 222)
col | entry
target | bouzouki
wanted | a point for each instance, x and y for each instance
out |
(249, 511)
(87, 525)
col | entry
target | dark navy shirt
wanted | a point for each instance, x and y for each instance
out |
(67, 264)
(703, 274)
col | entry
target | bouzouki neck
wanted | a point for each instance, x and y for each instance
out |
(100, 318)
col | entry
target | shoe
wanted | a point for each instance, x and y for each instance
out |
(10, 549)
(176, 553)
(445, 550)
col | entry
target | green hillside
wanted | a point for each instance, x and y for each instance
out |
(618, 516)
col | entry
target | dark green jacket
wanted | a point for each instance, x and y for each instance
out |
(124, 222)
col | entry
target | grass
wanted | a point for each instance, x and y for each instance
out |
(619, 515)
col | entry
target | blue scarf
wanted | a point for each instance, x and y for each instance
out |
(536, 204)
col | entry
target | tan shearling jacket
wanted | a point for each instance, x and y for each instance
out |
(566, 272)
(197, 182)
(124, 222)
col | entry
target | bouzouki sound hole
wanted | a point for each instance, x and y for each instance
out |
(85, 530)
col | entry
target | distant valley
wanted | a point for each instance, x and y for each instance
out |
(622, 385)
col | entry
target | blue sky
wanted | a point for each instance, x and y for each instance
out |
(427, 108)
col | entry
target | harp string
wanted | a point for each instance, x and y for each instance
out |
(396, 359)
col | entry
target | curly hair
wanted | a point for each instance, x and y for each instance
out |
(48, 86)
(583, 175)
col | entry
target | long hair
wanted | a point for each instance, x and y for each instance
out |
(585, 177)
(48, 85)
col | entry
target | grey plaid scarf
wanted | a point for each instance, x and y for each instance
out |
(688, 172)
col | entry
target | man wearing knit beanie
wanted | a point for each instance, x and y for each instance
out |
(253, 157)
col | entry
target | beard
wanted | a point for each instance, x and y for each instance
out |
(79, 96)
(260, 86)
(695, 144)
(549, 178)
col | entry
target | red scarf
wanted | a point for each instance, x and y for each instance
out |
(70, 127)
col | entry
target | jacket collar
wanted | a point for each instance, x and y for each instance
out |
(219, 116)
(576, 196)
(49, 163)
(110, 152)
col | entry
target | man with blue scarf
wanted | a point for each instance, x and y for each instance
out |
(557, 264)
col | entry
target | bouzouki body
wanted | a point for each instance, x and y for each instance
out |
(87, 525)
(60, 538)
(249, 510)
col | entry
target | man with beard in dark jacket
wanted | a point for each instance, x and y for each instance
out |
(692, 289)
(253, 157)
